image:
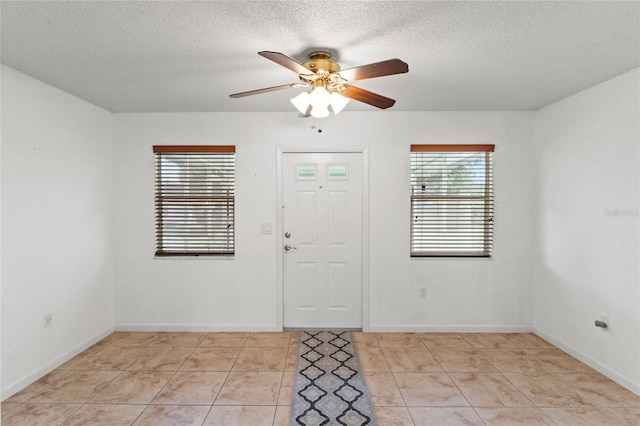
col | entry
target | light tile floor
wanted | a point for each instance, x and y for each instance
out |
(132, 378)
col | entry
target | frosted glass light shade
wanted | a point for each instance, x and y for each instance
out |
(338, 102)
(320, 98)
(302, 102)
(320, 112)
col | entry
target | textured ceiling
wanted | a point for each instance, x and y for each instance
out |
(134, 56)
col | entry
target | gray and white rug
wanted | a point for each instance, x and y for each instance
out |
(329, 386)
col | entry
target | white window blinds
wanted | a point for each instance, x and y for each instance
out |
(451, 200)
(194, 200)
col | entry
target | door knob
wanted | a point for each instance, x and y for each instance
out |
(289, 248)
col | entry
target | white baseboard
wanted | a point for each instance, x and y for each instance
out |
(197, 327)
(613, 375)
(422, 328)
(46, 368)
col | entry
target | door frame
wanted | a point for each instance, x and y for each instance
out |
(281, 151)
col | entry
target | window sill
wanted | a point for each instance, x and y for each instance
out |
(195, 257)
(449, 257)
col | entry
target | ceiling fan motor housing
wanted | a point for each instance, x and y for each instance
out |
(321, 61)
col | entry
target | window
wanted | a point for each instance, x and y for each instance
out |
(194, 200)
(451, 200)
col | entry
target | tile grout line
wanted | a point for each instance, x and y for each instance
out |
(465, 397)
(228, 374)
(144, 348)
(453, 381)
(512, 383)
(95, 393)
(395, 381)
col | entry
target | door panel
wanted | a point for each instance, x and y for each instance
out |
(306, 218)
(322, 194)
(338, 285)
(337, 218)
(306, 277)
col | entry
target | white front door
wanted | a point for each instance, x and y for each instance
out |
(322, 222)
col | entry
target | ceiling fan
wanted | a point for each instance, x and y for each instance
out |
(329, 85)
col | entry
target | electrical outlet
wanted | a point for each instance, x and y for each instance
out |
(48, 320)
(422, 294)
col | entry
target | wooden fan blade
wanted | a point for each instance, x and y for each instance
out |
(378, 69)
(286, 62)
(265, 90)
(367, 97)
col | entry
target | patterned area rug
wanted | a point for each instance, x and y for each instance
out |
(329, 387)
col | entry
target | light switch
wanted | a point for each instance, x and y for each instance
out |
(265, 228)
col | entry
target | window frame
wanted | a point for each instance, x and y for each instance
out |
(205, 202)
(487, 198)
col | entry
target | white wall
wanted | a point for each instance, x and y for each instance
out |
(57, 240)
(216, 294)
(588, 259)
(58, 251)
